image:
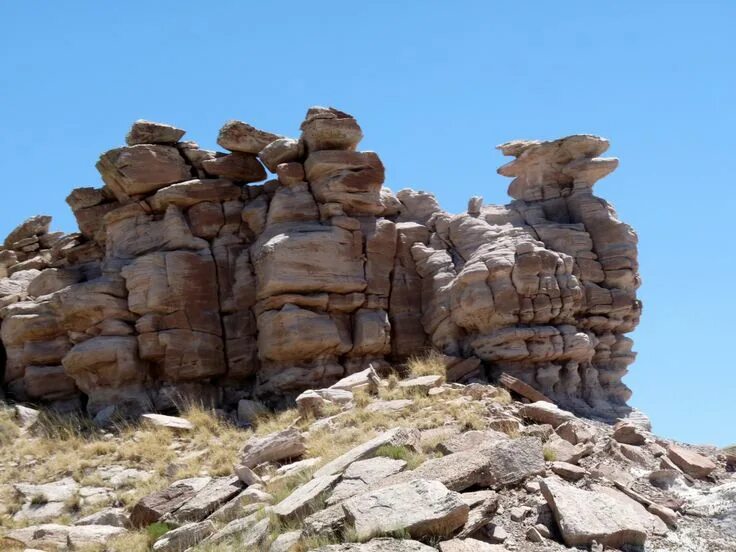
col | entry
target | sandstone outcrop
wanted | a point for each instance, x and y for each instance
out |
(193, 279)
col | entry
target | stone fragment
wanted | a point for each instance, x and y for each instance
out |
(303, 499)
(330, 520)
(281, 445)
(576, 432)
(397, 437)
(570, 472)
(499, 464)
(534, 535)
(208, 499)
(378, 545)
(546, 413)
(34, 226)
(184, 537)
(395, 405)
(692, 463)
(667, 515)
(480, 515)
(469, 545)
(310, 403)
(141, 169)
(556, 448)
(62, 537)
(326, 128)
(114, 517)
(352, 179)
(283, 150)
(362, 474)
(602, 515)
(153, 507)
(468, 440)
(173, 423)
(421, 508)
(239, 167)
(629, 434)
(422, 383)
(242, 137)
(286, 542)
(148, 132)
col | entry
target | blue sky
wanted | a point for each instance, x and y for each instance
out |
(435, 86)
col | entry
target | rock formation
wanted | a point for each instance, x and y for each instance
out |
(189, 281)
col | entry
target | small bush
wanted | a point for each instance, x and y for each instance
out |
(38, 499)
(156, 530)
(549, 455)
(396, 452)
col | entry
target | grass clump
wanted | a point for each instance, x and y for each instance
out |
(9, 430)
(549, 455)
(156, 530)
(430, 363)
(397, 452)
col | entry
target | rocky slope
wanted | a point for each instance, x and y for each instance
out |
(189, 281)
(369, 465)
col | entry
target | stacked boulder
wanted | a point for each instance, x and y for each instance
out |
(193, 279)
(543, 288)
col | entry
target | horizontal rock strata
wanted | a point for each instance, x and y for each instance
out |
(193, 279)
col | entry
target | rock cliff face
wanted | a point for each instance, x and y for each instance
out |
(187, 280)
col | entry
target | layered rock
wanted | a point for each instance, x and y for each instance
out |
(188, 280)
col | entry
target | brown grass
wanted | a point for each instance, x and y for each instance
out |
(428, 364)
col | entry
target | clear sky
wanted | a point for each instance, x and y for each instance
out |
(435, 86)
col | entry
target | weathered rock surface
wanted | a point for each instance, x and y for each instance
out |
(689, 461)
(420, 507)
(378, 545)
(275, 446)
(187, 274)
(602, 515)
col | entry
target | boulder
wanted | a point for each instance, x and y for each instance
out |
(397, 437)
(273, 447)
(362, 474)
(419, 507)
(173, 423)
(242, 137)
(34, 226)
(546, 413)
(208, 499)
(351, 179)
(692, 463)
(303, 499)
(141, 169)
(308, 258)
(629, 434)
(326, 128)
(499, 464)
(184, 537)
(239, 167)
(153, 507)
(570, 472)
(283, 150)
(602, 515)
(148, 132)
(114, 517)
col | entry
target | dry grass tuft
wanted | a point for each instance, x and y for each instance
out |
(430, 363)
